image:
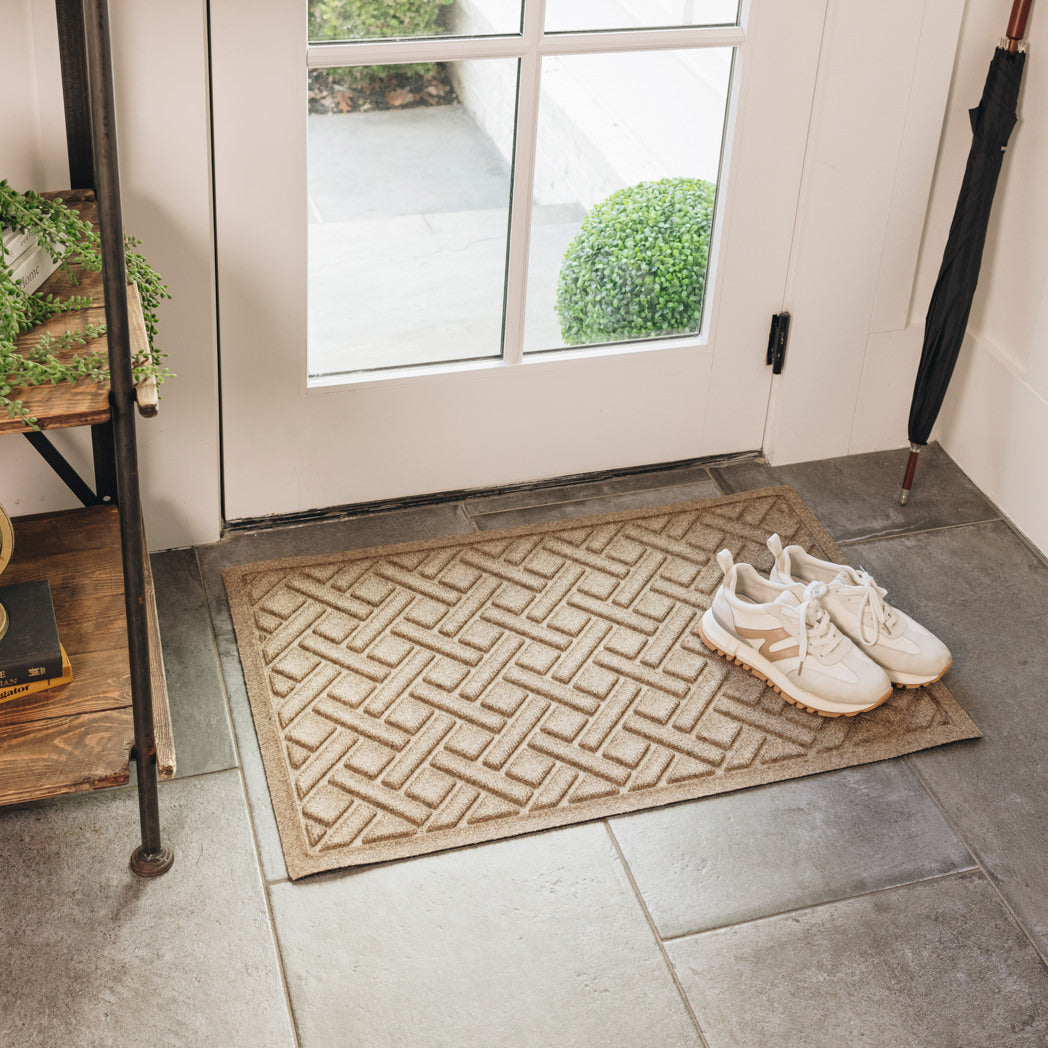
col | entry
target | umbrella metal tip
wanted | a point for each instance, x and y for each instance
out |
(904, 496)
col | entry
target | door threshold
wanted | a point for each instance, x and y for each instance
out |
(359, 509)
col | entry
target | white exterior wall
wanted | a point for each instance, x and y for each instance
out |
(597, 130)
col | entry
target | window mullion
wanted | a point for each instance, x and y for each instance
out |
(523, 182)
(622, 41)
(397, 52)
(457, 49)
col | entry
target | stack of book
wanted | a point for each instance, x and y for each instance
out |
(31, 657)
(28, 260)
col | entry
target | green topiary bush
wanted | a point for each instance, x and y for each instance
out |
(637, 267)
(366, 19)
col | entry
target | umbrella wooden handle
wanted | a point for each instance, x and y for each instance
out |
(911, 468)
(1017, 22)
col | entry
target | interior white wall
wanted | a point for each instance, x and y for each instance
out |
(994, 421)
(21, 155)
(161, 73)
(886, 157)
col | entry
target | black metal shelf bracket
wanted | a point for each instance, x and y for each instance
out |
(62, 467)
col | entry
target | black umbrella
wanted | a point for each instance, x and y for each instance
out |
(951, 301)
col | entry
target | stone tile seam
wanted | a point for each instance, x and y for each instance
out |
(218, 655)
(881, 536)
(595, 498)
(722, 482)
(259, 868)
(268, 903)
(655, 934)
(718, 478)
(960, 872)
(1039, 554)
(464, 506)
(989, 877)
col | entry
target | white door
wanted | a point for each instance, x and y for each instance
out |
(397, 310)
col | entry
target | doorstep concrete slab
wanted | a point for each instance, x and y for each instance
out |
(424, 289)
(938, 964)
(751, 854)
(199, 717)
(537, 942)
(857, 496)
(385, 296)
(96, 957)
(402, 162)
(547, 246)
(983, 591)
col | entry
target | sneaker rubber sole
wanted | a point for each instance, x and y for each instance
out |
(717, 639)
(911, 681)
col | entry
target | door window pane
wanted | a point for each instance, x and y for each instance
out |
(409, 215)
(581, 15)
(626, 166)
(410, 19)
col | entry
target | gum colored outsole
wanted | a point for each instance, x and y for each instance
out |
(774, 687)
(914, 687)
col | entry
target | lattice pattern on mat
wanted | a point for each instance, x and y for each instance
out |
(552, 675)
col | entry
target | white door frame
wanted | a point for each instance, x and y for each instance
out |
(529, 402)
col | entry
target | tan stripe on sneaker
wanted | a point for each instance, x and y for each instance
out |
(768, 638)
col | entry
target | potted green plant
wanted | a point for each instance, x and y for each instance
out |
(73, 244)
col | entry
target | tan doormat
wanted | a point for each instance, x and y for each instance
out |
(425, 696)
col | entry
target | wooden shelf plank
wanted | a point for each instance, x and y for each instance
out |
(65, 755)
(162, 731)
(78, 551)
(79, 403)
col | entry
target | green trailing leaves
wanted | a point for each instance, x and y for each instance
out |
(71, 242)
(637, 266)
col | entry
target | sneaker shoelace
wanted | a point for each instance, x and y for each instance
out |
(882, 614)
(817, 633)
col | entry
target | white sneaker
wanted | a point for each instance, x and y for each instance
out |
(909, 654)
(784, 636)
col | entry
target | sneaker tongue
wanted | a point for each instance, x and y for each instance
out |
(789, 598)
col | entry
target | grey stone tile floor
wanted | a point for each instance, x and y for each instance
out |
(898, 904)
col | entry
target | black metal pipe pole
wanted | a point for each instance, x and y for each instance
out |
(150, 859)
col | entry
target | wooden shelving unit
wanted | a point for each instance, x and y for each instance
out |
(79, 736)
(83, 735)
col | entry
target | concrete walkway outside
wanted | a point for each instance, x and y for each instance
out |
(408, 238)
